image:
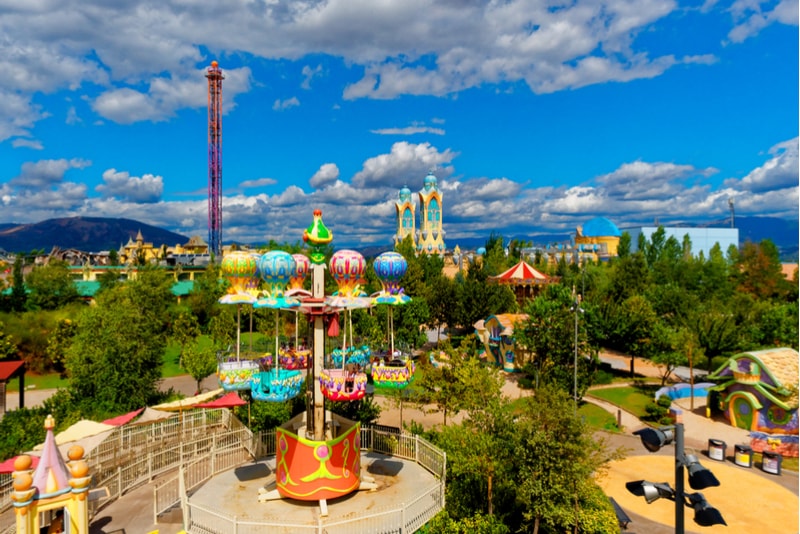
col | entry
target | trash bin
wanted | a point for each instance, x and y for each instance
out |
(717, 449)
(743, 455)
(771, 462)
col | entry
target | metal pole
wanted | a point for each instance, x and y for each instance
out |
(575, 370)
(679, 497)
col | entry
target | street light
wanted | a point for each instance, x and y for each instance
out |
(699, 478)
(576, 307)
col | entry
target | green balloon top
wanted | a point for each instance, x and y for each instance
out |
(317, 236)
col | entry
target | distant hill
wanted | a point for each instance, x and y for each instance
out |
(90, 234)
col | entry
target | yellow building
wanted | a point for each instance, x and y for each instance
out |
(598, 238)
(431, 234)
(406, 217)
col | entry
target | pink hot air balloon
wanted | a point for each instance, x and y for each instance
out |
(347, 268)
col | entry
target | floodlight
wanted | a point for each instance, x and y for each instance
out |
(651, 491)
(653, 439)
(705, 515)
(699, 476)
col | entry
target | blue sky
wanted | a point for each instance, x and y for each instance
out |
(536, 116)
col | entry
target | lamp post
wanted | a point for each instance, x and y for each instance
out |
(699, 478)
(576, 307)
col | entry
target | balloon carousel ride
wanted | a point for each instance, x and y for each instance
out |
(317, 452)
(319, 456)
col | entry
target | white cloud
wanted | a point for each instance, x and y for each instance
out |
(640, 180)
(45, 173)
(33, 144)
(166, 95)
(327, 174)
(751, 18)
(780, 172)
(406, 163)
(409, 130)
(260, 182)
(146, 189)
(309, 74)
(280, 105)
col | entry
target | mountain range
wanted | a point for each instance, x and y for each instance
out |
(93, 234)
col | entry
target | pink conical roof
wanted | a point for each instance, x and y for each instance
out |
(51, 475)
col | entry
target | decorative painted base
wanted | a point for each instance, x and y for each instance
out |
(342, 385)
(310, 470)
(299, 359)
(396, 374)
(235, 375)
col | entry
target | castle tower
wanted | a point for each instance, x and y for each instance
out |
(431, 235)
(406, 217)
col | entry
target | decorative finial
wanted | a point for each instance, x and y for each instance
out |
(49, 422)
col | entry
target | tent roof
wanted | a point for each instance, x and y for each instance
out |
(228, 400)
(151, 416)
(8, 466)
(80, 430)
(122, 419)
(521, 274)
(187, 403)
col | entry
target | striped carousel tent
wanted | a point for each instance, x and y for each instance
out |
(524, 279)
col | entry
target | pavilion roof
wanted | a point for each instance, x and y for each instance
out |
(521, 274)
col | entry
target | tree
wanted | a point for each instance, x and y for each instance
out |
(113, 257)
(184, 329)
(556, 460)
(669, 354)
(114, 362)
(59, 341)
(51, 286)
(199, 359)
(8, 349)
(19, 295)
(549, 335)
(624, 245)
(759, 270)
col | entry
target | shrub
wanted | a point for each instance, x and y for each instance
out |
(603, 377)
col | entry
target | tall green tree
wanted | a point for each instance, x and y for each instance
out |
(549, 335)
(19, 295)
(199, 359)
(51, 286)
(556, 460)
(114, 362)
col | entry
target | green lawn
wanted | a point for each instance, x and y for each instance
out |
(598, 418)
(632, 398)
(48, 381)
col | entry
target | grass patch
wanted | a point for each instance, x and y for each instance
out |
(633, 399)
(48, 381)
(597, 417)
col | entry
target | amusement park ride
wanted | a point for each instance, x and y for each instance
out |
(317, 452)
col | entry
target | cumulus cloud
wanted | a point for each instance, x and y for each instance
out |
(45, 173)
(407, 162)
(780, 172)
(327, 174)
(641, 180)
(146, 189)
(166, 95)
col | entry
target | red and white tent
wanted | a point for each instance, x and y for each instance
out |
(522, 274)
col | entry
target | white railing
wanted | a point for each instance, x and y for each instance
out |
(404, 517)
(400, 518)
(133, 455)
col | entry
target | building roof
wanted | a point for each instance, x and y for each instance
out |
(10, 369)
(600, 227)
